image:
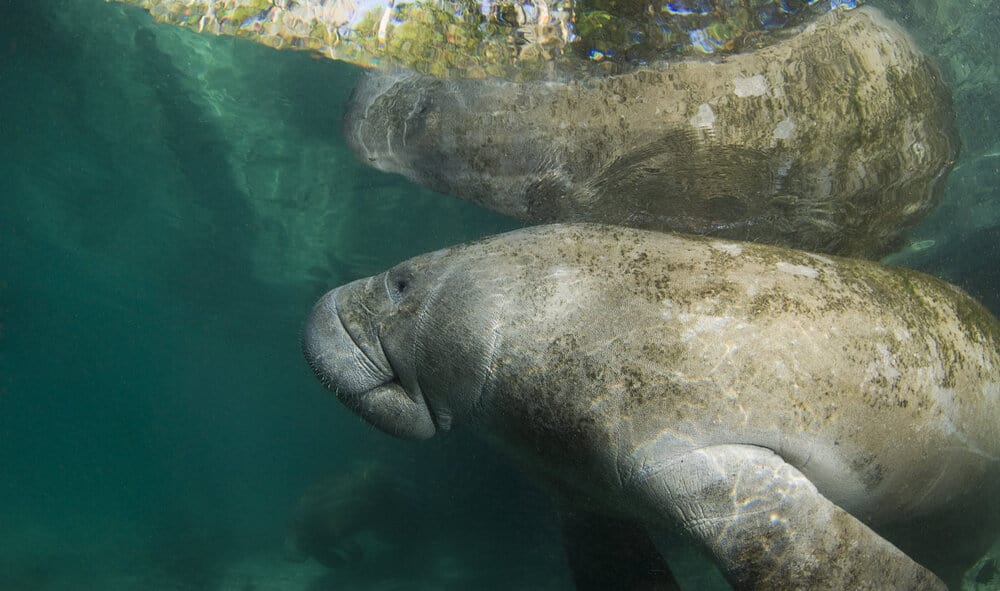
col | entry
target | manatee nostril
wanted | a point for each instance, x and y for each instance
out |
(401, 285)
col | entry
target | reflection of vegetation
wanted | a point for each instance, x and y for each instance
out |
(633, 30)
(591, 23)
(511, 38)
(457, 38)
(433, 40)
(254, 7)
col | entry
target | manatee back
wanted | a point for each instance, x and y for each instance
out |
(880, 384)
(834, 140)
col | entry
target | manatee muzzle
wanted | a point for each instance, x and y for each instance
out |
(351, 362)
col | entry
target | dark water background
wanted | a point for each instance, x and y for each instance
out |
(170, 207)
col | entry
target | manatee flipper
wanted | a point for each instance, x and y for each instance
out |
(768, 527)
(606, 553)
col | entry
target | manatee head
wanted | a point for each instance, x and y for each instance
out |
(467, 138)
(405, 349)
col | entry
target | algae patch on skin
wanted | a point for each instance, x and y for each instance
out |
(731, 248)
(704, 118)
(799, 270)
(752, 86)
(784, 129)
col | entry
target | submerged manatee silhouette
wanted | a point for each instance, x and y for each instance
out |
(786, 410)
(835, 140)
(344, 519)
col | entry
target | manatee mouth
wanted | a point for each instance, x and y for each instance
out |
(351, 362)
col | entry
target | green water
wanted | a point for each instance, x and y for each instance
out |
(170, 207)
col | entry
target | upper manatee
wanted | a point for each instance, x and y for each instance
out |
(790, 411)
(835, 139)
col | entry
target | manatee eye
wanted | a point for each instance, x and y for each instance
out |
(397, 284)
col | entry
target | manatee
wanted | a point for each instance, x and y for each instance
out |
(811, 422)
(985, 574)
(345, 519)
(833, 140)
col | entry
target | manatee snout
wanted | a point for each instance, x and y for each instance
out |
(344, 362)
(466, 138)
(345, 352)
(385, 125)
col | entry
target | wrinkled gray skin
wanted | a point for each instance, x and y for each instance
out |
(834, 140)
(773, 404)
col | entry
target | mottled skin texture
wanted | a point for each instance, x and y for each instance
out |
(773, 404)
(833, 140)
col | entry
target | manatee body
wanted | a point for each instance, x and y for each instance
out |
(775, 405)
(344, 519)
(834, 140)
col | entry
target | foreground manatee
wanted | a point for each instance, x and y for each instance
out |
(834, 140)
(773, 404)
